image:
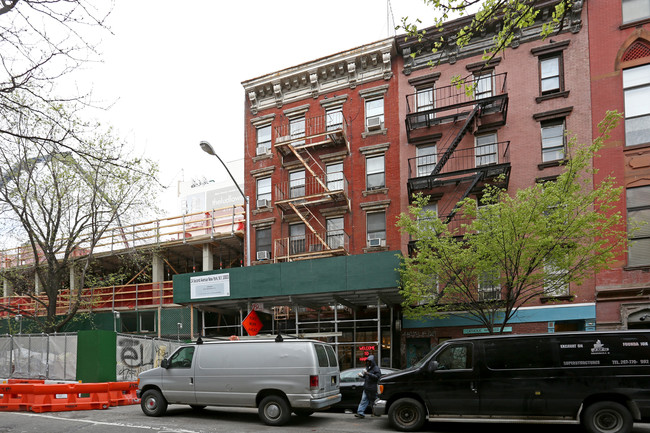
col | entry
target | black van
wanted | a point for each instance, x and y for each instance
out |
(598, 379)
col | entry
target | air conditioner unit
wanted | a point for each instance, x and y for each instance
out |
(374, 123)
(261, 150)
(263, 255)
(262, 202)
(376, 242)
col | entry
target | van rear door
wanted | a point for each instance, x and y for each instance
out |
(328, 371)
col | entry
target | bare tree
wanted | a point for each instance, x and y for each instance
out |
(42, 41)
(62, 202)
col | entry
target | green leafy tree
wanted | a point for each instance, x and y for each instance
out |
(517, 246)
(59, 201)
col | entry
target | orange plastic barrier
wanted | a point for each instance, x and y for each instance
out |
(41, 397)
(123, 393)
(25, 381)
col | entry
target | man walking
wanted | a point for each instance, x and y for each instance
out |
(372, 373)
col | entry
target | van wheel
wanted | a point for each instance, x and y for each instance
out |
(153, 403)
(607, 417)
(274, 410)
(406, 414)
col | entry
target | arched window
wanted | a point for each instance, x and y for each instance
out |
(636, 88)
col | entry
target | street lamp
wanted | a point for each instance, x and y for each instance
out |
(207, 148)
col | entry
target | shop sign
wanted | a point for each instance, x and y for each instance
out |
(485, 330)
(366, 351)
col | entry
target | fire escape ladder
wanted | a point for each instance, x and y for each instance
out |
(307, 167)
(443, 159)
(309, 226)
(476, 180)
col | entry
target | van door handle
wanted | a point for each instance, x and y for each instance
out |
(473, 387)
(191, 381)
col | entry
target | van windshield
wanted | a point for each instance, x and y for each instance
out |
(425, 357)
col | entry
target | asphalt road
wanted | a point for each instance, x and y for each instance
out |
(182, 419)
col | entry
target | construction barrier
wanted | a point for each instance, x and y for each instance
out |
(41, 397)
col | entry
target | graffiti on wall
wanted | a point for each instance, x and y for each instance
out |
(135, 355)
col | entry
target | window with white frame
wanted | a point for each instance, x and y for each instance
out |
(334, 174)
(263, 140)
(375, 114)
(424, 99)
(486, 149)
(426, 159)
(484, 84)
(335, 234)
(638, 226)
(376, 229)
(489, 288)
(634, 10)
(297, 238)
(297, 183)
(375, 176)
(263, 191)
(263, 243)
(334, 118)
(555, 283)
(297, 127)
(636, 86)
(553, 140)
(551, 78)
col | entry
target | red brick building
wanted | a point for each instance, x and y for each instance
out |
(525, 100)
(619, 46)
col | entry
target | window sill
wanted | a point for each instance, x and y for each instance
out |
(263, 157)
(375, 249)
(368, 192)
(262, 210)
(371, 133)
(635, 23)
(550, 164)
(637, 147)
(545, 298)
(564, 94)
(644, 268)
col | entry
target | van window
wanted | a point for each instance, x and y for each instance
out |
(332, 356)
(182, 358)
(456, 357)
(519, 353)
(322, 355)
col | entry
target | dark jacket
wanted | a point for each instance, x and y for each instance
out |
(371, 375)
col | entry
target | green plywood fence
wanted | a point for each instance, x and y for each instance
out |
(96, 356)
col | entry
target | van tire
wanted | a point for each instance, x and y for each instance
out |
(406, 414)
(607, 417)
(153, 403)
(274, 410)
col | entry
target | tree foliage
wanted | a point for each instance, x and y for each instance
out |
(63, 199)
(516, 246)
(508, 18)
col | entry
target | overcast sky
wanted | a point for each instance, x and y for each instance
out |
(174, 69)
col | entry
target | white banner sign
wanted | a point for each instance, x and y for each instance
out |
(210, 286)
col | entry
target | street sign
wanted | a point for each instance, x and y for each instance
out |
(252, 323)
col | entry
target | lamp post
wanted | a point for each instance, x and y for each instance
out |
(207, 148)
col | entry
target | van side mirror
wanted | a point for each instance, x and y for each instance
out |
(433, 366)
(164, 363)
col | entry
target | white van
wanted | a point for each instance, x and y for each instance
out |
(276, 376)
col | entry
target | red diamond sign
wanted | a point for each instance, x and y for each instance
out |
(252, 323)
